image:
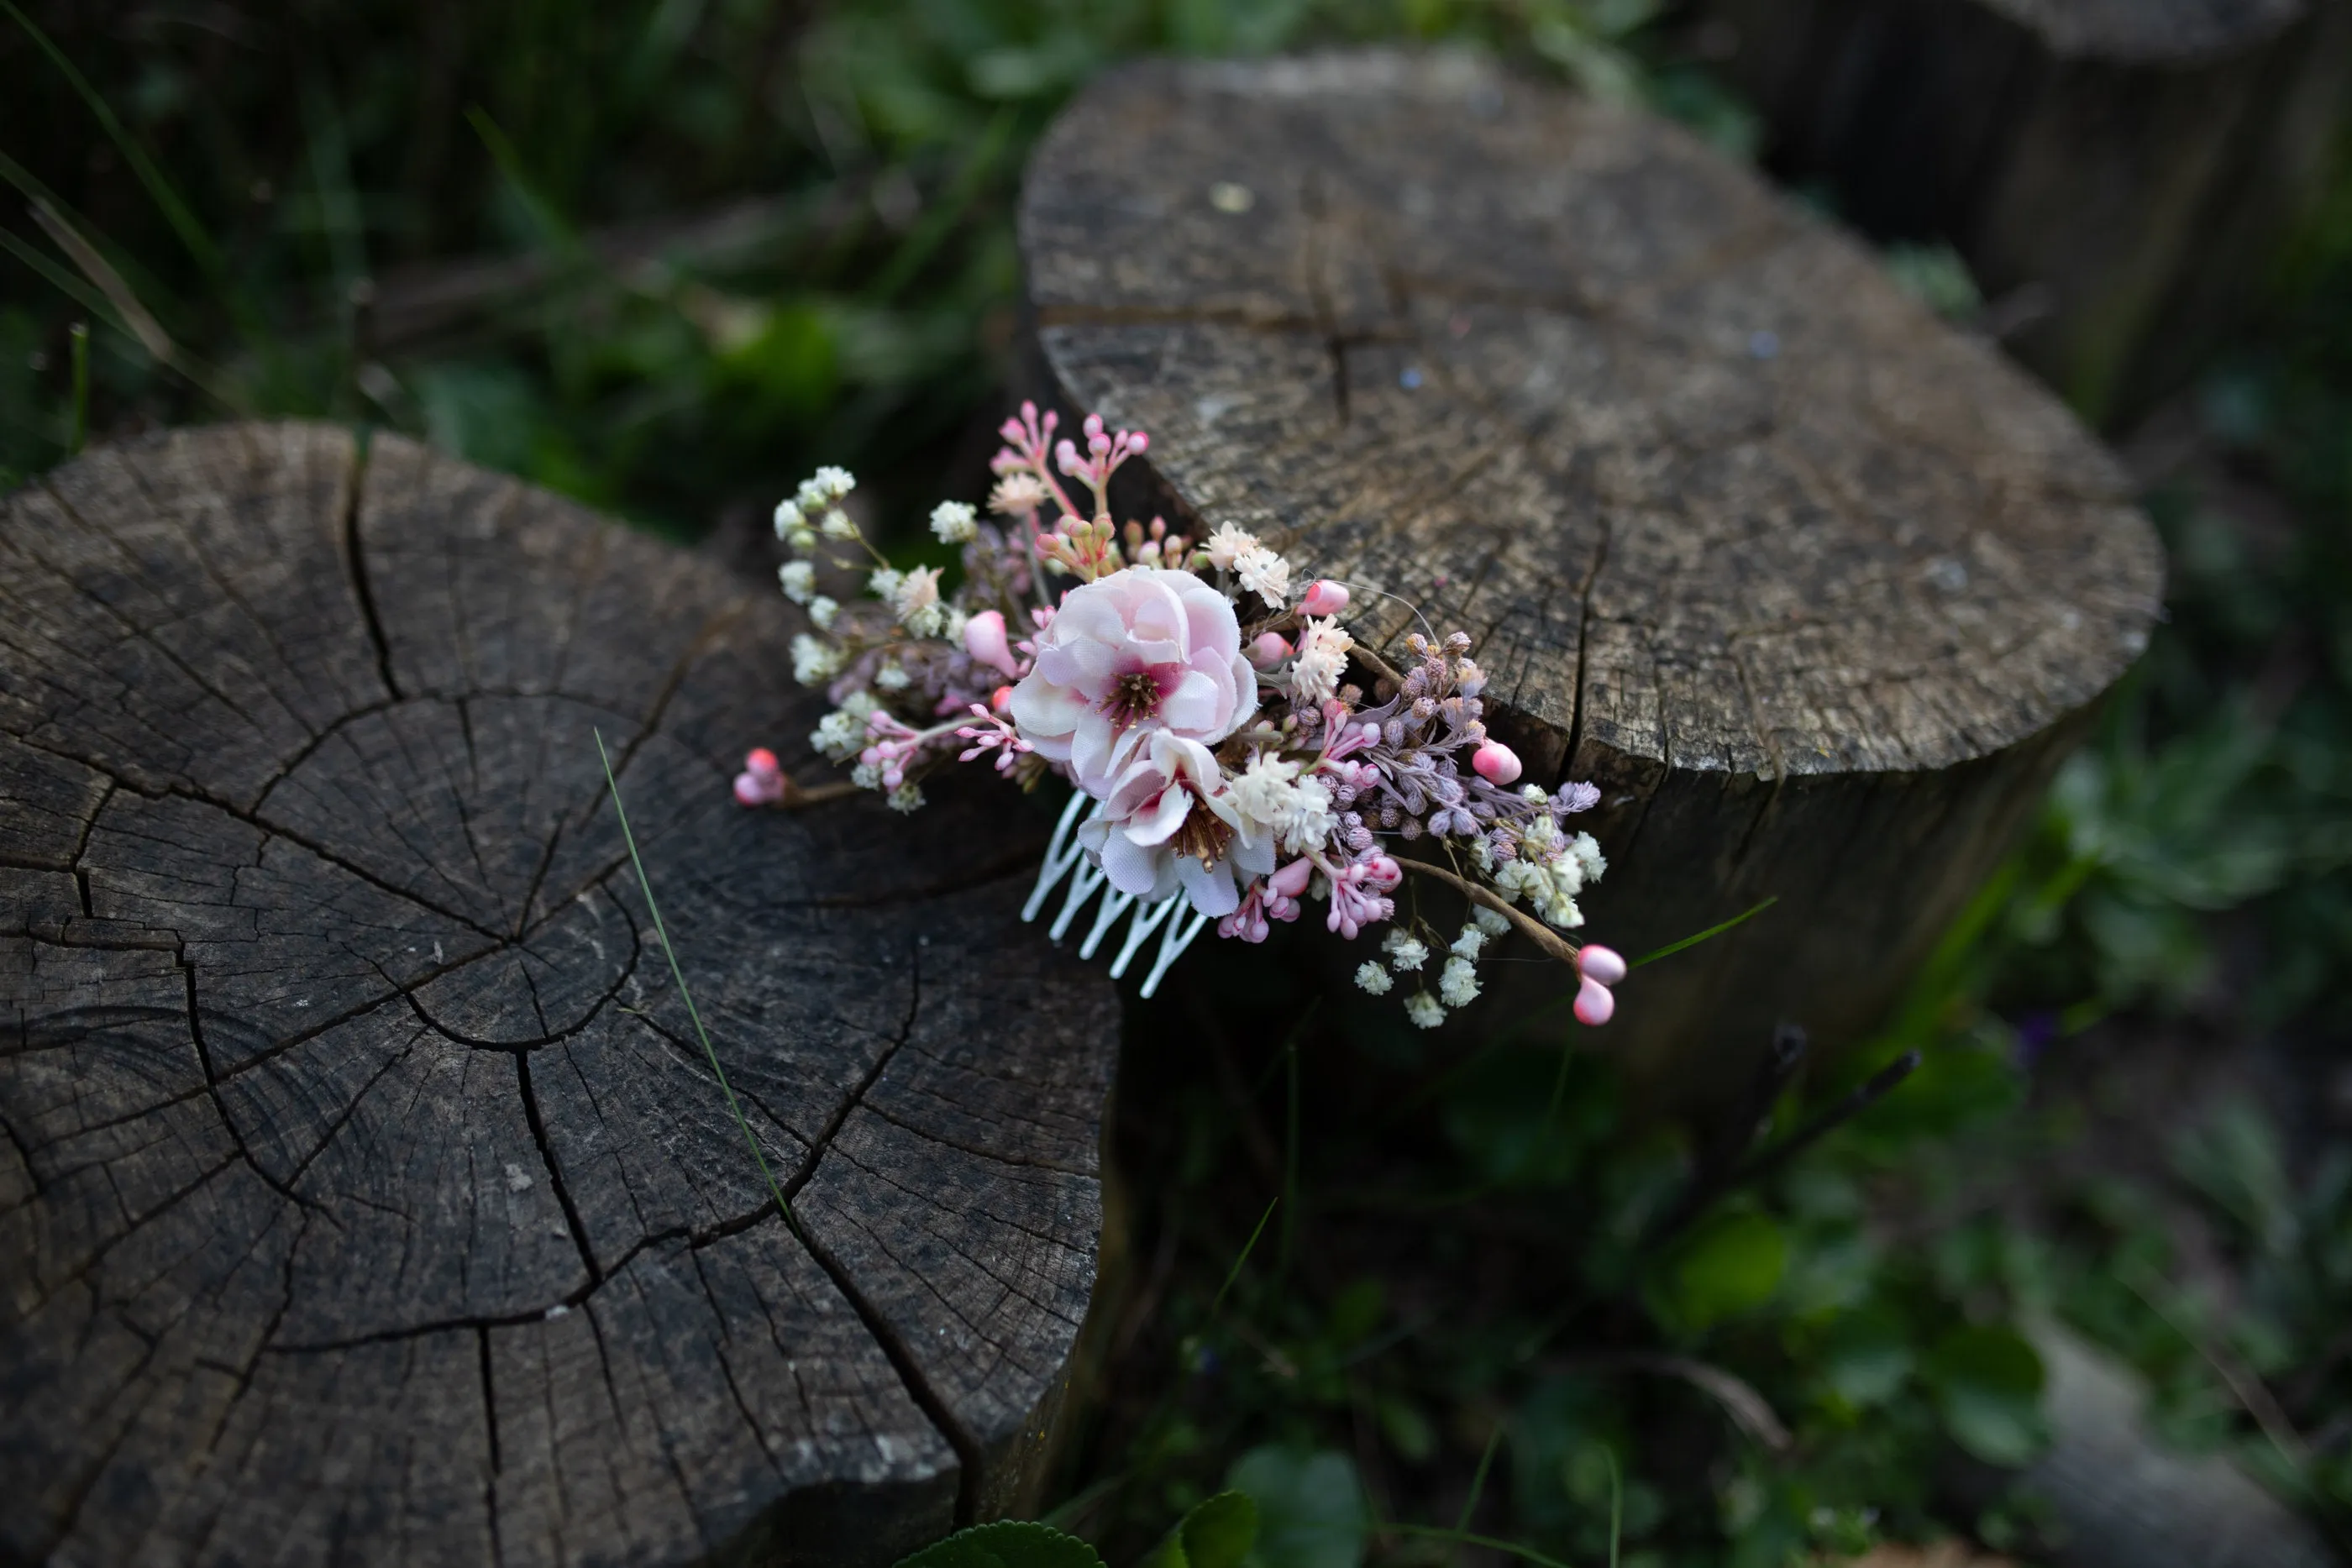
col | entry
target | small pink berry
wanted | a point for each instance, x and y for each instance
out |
(760, 763)
(1325, 598)
(1000, 698)
(1269, 650)
(1603, 964)
(1595, 1003)
(1496, 763)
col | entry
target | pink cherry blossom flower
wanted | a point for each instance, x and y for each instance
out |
(1139, 652)
(1169, 825)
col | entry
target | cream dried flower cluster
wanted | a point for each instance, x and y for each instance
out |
(1201, 698)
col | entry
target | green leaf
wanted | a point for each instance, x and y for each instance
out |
(1310, 1509)
(1866, 1356)
(1217, 1533)
(1730, 1263)
(1987, 1384)
(1007, 1543)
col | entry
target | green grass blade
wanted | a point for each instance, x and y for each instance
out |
(1243, 1257)
(1616, 1504)
(553, 232)
(1478, 1480)
(79, 431)
(647, 887)
(1672, 947)
(175, 212)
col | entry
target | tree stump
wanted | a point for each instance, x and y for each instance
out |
(1818, 590)
(366, 1194)
(2120, 176)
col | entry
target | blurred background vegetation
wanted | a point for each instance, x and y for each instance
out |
(666, 255)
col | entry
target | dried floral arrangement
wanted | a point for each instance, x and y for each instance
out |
(1225, 767)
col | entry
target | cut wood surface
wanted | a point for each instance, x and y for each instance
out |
(365, 1194)
(2121, 176)
(1817, 589)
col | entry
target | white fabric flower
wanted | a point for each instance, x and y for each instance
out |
(884, 582)
(1264, 573)
(1423, 1011)
(955, 522)
(892, 678)
(835, 482)
(1017, 494)
(799, 580)
(838, 525)
(1322, 659)
(1262, 791)
(1373, 978)
(906, 797)
(916, 601)
(1226, 545)
(1310, 819)
(1470, 944)
(1493, 921)
(822, 610)
(788, 520)
(1169, 826)
(1142, 652)
(1457, 983)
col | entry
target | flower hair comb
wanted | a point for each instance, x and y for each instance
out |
(1225, 767)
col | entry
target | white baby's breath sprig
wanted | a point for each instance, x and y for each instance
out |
(955, 523)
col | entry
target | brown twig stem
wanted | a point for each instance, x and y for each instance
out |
(1535, 931)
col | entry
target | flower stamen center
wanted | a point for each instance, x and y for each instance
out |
(1133, 698)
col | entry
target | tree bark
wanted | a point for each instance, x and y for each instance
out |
(1818, 590)
(366, 1193)
(2120, 175)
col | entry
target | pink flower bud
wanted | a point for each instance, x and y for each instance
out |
(762, 782)
(1594, 1003)
(1603, 964)
(984, 639)
(1326, 598)
(1496, 763)
(1268, 650)
(1291, 880)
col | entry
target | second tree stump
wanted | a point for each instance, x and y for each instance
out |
(1817, 589)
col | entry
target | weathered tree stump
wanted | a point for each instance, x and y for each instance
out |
(365, 1193)
(2119, 173)
(1817, 589)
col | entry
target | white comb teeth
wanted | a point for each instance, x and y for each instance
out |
(1174, 918)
